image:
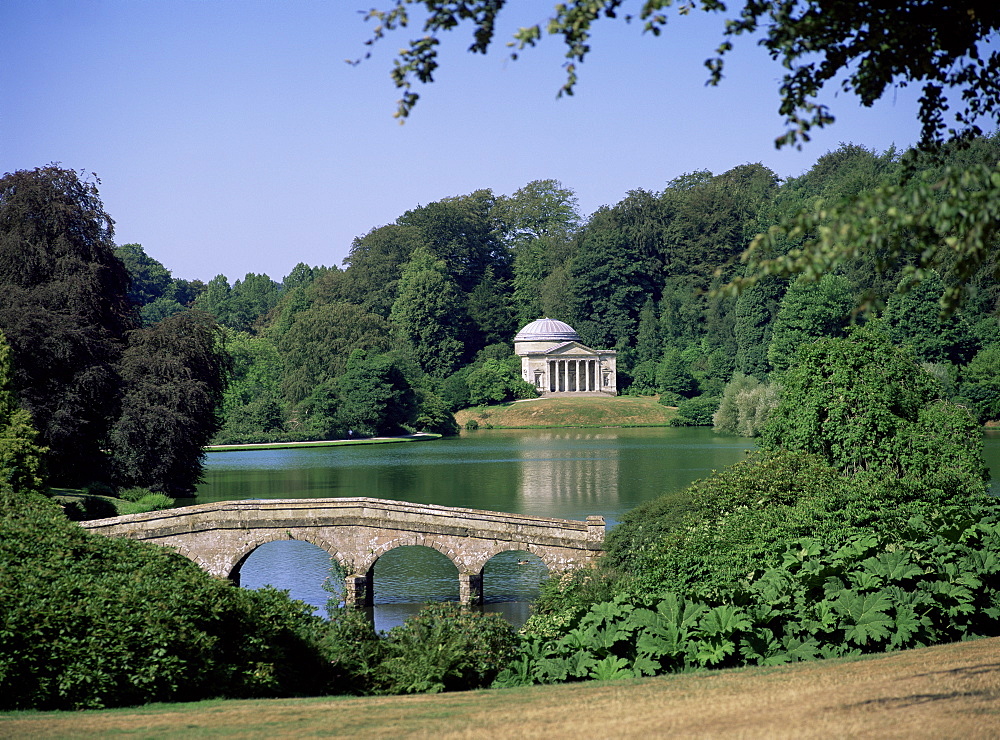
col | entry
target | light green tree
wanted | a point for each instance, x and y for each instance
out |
(21, 458)
(868, 409)
(808, 312)
(429, 314)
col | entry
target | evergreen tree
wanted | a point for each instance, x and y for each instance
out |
(648, 345)
(755, 311)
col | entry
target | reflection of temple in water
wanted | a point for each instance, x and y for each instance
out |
(581, 472)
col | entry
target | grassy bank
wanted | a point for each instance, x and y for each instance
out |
(324, 443)
(622, 411)
(941, 691)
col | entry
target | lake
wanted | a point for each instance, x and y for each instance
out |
(566, 473)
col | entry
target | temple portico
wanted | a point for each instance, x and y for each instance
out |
(554, 360)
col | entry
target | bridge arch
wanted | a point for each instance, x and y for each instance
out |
(410, 539)
(231, 566)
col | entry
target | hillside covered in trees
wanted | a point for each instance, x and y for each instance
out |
(420, 318)
(127, 372)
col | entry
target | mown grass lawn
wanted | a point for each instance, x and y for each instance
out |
(592, 411)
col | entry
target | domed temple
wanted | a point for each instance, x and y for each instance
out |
(554, 360)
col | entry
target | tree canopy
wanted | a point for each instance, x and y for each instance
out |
(865, 49)
(65, 310)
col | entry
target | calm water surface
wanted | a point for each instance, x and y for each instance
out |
(558, 473)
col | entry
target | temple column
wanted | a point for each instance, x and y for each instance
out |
(565, 375)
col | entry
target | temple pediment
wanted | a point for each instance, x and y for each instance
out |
(569, 349)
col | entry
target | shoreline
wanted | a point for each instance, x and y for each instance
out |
(418, 437)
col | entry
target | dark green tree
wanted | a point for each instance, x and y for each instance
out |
(463, 233)
(648, 344)
(490, 311)
(755, 311)
(150, 279)
(611, 277)
(913, 318)
(316, 346)
(174, 374)
(374, 396)
(538, 222)
(250, 301)
(980, 386)
(374, 266)
(674, 376)
(64, 308)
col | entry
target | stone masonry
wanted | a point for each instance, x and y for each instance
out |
(357, 531)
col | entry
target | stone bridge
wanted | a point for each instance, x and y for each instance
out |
(357, 531)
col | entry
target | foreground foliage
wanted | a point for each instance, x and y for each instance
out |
(939, 581)
(92, 621)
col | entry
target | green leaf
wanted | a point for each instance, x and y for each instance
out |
(611, 668)
(724, 620)
(865, 617)
(712, 651)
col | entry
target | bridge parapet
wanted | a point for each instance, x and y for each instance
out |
(357, 531)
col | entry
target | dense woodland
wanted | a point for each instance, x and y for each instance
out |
(420, 319)
(862, 525)
(127, 371)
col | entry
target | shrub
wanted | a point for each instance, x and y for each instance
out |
(695, 412)
(133, 494)
(939, 581)
(447, 647)
(86, 508)
(149, 502)
(667, 398)
(723, 528)
(354, 651)
(94, 621)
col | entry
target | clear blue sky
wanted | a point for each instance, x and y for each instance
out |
(232, 137)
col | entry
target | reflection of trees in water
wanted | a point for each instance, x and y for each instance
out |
(576, 474)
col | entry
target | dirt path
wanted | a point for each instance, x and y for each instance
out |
(948, 691)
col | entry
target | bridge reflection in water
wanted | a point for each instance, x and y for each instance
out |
(356, 532)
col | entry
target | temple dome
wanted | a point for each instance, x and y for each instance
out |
(547, 330)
